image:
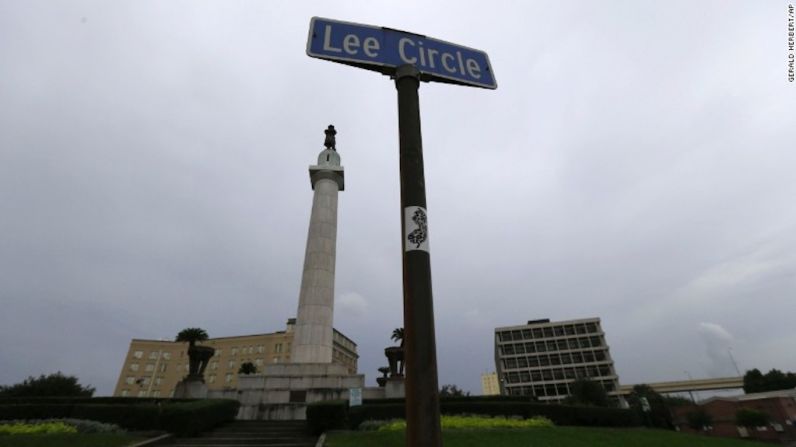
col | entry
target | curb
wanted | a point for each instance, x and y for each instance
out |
(158, 440)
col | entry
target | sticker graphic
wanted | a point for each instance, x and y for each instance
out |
(416, 227)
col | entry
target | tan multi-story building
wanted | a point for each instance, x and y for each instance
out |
(542, 358)
(489, 384)
(152, 368)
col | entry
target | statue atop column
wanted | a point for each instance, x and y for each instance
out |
(330, 141)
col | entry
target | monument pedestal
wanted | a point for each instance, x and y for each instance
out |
(394, 388)
(191, 388)
(283, 391)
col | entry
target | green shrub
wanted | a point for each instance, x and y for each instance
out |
(44, 428)
(476, 422)
(190, 418)
(81, 425)
(748, 417)
(181, 417)
(35, 411)
(329, 415)
(337, 415)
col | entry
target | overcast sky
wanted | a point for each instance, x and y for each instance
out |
(636, 163)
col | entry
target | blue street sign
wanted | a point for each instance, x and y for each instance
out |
(383, 49)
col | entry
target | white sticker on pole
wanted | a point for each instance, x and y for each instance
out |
(416, 228)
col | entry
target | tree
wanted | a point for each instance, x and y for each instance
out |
(588, 392)
(658, 414)
(398, 335)
(747, 417)
(698, 419)
(52, 385)
(191, 335)
(756, 382)
(247, 368)
(452, 391)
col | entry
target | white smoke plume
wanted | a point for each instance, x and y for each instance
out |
(717, 341)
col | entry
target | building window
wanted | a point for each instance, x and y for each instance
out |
(150, 367)
(258, 362)
(278, 347)
(166, 356)
(260, 349)
(219, 352)
(276, 359)
(138, 354)
(544, 360)
(157, 381)
(129, 380)
(145, 381)
(214, 365)
(211, 378)
(163, 367)
(228, 378)
(156, 393)
(142, 393)
(231, 364)
(125, 393)
(153, 355)
(234, 351)
(298, 396)
(134, 367)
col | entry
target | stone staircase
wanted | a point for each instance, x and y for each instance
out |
(253, 434)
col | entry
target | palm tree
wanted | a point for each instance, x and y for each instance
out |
(247, 368)
(398, 335)
(197, 355)
(192, 335)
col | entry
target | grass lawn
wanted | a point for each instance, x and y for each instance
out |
(69, 440)
(542, 437)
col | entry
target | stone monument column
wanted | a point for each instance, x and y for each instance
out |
(312, 338)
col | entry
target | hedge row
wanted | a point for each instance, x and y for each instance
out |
(337, 415)
(183, 417)
(87, 400)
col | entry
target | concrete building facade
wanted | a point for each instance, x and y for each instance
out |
(152, 368)
(490, 385)
(542, 358)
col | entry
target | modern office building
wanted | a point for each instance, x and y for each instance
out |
(152, 368)
(542, 358)
(489, 384)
